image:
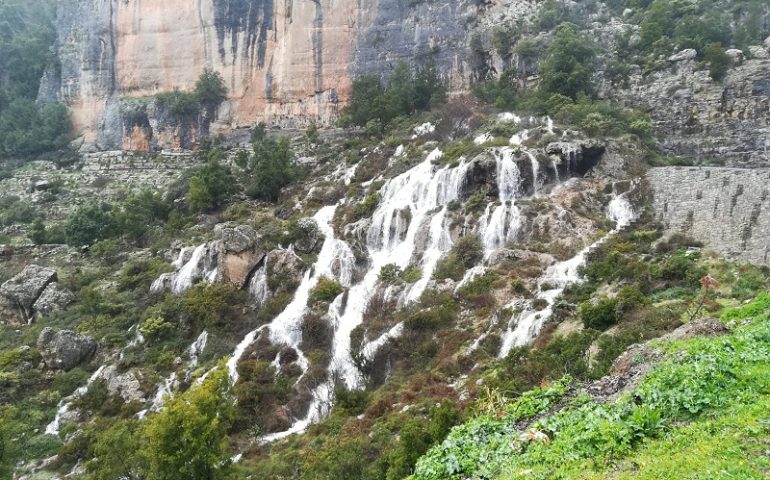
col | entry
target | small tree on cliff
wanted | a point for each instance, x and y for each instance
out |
(568, 66)
(210, 89)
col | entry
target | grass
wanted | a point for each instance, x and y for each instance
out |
(700, 414)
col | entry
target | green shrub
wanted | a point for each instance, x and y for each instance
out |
(179, 103)
(272, 168)
(210, 89)
(209, 305)
(89, 224)
(326, 290)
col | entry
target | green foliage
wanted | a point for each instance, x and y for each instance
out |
(500, 92)
(115, 452)
(140, 211)
(258, 392)
(89, 224)
(326, 290)
(155, 328)
(700, 379)
(272, 168)
(188, 438)
(568, 65)
(406, 92)
(26, 35)
(179, 103)
(209, 305)
(210, 186)
(718, 61)
(464, 254)
(210, 89)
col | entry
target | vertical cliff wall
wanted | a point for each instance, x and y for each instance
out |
(286, 62)
(726, 208)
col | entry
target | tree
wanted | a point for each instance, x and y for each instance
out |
(568, 66)
(88, 224)
(188, 438)
(115, 453)
(273, 168)
(138, 212)
(210, 89)
(718, 61)
(211, 185)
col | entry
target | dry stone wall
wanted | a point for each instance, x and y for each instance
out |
(728, 209)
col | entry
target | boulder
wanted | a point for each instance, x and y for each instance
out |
(759, 52)
(64, 349)
(704, 327)
(736, 56)
(126, 385)
(686, 54)
(284, 270)
(54, 298)
(24, 289)
(239, 250)
(309, 236)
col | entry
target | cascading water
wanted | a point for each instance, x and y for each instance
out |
(525, 325)
(65, 404)
(258, 289)
(392, 238)
(500, 223)
(187, 270)
(335, 256)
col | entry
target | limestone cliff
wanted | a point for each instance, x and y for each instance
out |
(286, 62)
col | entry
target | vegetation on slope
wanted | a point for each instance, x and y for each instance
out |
(701, 389)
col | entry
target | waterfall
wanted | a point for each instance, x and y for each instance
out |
(65, 404)
(423, 191)
(335, 256)
(501, 223)
(258, 288)
(525, 326)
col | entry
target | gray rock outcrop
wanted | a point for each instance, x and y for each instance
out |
(284, 270)
(239, 250)
(126, 385)
(64, 349)
(23, 290)
(54, 298)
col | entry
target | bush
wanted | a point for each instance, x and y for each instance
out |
(718, 61)
(210, 89)
(406, 92)
(467, 252)
(568, 65)
(179, 103)
(272, 169)
(210, 186)
(210, 305)
(89, 224)
(326, 290)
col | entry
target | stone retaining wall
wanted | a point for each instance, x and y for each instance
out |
(728, 209)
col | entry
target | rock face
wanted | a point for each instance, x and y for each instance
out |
(53, 299)
(239, 251)
(64, 349)
(286, 63)
(702, 118)
(23, 290)
(726, 208)
(124, 384)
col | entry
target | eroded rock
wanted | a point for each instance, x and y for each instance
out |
(54, 298)
(24, 289)
(64, 349)
(239, 250)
